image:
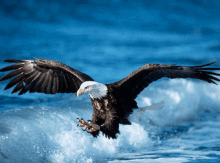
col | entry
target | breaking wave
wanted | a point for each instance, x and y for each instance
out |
(50, 134)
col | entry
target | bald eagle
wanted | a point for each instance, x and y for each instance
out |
(112, 103)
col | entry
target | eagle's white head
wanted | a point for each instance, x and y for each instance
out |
(95, 89)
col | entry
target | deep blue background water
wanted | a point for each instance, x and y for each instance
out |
(108, 40)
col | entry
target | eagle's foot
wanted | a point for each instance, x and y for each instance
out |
(92, 127)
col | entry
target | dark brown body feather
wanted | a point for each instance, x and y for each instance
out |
(50, 77)
(112, 110)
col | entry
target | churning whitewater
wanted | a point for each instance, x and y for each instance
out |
(50, 134)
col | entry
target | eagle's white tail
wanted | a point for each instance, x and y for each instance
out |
(156, 106)
(139, 112)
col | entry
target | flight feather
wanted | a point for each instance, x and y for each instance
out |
(43, 76)
(138, 80)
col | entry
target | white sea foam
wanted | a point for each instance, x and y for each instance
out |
(46, 134)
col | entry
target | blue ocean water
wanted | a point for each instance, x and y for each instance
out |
(108, 40)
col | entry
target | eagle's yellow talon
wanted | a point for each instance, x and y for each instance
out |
(90, 126)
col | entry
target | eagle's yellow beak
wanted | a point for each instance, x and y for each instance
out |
(80, 91)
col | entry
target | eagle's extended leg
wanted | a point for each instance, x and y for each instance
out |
(92, 127)
(111, 125)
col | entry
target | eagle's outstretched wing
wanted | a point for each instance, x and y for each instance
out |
(133, 84)
(43, 76)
